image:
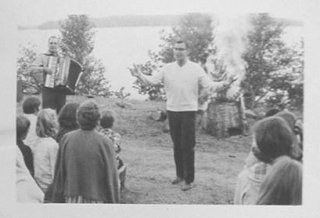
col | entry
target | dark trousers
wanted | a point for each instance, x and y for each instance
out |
(182, 131)
(52, 98)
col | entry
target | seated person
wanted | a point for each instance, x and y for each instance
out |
(45, 148)
(291, 119)
(297, 136)
(272, 139)
(23, 125)
(86, 170)
(105, 128)
(27, 190)
(30, 108)
(283, 183)
(67, 119)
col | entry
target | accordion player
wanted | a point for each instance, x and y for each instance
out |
(65, 75)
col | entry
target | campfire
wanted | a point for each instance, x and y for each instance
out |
(225, 111)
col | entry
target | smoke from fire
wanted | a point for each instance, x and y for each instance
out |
(230, 40)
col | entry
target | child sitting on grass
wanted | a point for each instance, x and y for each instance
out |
(106, 124)
(67, 119)
(27, 190)
(23, 125)
(31, 109)
(272, 138)
(283, 184)
(86, 167)
(45, 148)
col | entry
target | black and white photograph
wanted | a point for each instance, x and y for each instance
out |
(160, 108)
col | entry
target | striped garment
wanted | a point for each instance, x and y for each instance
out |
(81, 200)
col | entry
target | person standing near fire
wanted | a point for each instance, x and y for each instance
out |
(51, 97)
(182, 81)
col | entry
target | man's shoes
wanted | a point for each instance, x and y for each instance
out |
(187, 186)
(176, 181)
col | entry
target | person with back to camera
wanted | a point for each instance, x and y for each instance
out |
(31, 107)
(86, 170)
(46, 148)
(272, 138)
(22, 128)
(27, 190)
(51, 97)
(182, 80)
(297, 147)
(67, 119)
(105, 128)
(283, 183)
(290, 118)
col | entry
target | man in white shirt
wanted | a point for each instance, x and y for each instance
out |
(182, 80)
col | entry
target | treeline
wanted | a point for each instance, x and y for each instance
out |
(135, 21)
(119, 21)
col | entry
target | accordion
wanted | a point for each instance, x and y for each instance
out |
(65, 76)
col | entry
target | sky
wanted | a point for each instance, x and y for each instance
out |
(34, 12)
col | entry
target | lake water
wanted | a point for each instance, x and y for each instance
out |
(120, 47)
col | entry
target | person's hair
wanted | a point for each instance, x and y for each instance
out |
(272, 112)
(181, 41)
(273, 138)
(30, 105)
(47, 124)
(289, 117)
(291, 120)
(22, 126)
(107, 119)
(88, 115)
(283, 183)
(52, 37)
(68, 115)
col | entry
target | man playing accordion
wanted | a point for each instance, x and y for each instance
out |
(52, 97)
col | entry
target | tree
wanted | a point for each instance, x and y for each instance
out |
(269, 62)
(287, 83)
(27, 56)
(196, 30)
(155, 92)
(78, 43)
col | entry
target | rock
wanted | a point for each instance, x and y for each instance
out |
(158, 115)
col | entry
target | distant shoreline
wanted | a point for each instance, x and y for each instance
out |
(135, 21)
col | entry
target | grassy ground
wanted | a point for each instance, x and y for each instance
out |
(147, 151)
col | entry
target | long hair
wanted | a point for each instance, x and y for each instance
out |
(47, 124)
(283, 183)
(291, 120)
(67, 117)
(289, 117)
(273, 137)
(22, 127)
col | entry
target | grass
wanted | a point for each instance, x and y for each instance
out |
(147, 151)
